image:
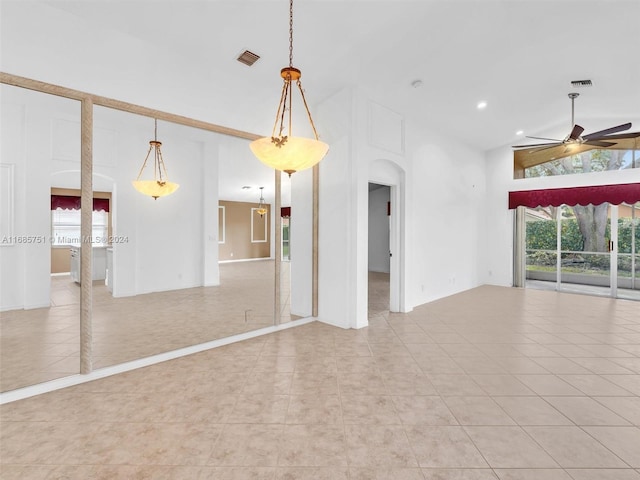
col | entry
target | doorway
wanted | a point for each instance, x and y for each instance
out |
(379, 248)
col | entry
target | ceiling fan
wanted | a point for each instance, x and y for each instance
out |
(602, 139)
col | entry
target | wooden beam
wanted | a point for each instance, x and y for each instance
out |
(86, 231)
(59, 91)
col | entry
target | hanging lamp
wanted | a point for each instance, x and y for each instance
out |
(160, 186)
(262, 209)
(282, 151)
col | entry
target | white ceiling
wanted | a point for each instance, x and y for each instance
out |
(518, 56)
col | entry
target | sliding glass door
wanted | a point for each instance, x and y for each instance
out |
(590, 249)
(627, 252)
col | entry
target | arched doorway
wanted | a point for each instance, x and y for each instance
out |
(387, 179)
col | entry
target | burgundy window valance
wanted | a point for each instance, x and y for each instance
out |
(594, 195)
(70, 202)
(285, 212)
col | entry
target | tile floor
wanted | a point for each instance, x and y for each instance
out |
(44, 344)
(492, 383)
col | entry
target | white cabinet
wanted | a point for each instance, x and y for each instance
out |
(75, 264)
(99, 263)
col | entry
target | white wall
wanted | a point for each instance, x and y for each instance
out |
(34, 142)
(441, 196)
(379, 230)
(336, 289)
(301, 243)
(448, 215)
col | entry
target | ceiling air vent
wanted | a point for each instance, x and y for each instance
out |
(581, 83)
(248, 58)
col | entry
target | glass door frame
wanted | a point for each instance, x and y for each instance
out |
(520, 252)
(633, 291)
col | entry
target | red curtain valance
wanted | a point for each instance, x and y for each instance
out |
(70, 202)
(285, 212)
(595, 195)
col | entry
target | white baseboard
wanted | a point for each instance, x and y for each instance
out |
(246, 260)
(57, 384)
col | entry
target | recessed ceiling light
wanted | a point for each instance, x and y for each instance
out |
(482, 105)
(519, 132)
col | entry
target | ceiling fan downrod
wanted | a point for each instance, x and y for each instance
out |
(573, 97)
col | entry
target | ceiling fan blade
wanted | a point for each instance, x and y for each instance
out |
(536, 145)
(601, 133)
(575, 132)
(544, 138)
(599, 143)
(616, 137)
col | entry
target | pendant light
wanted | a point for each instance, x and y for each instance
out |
(282, 151)
(262, 209)
(160, 186)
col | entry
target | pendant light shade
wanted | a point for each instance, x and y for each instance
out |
(160, 186)
(282, 151)
(298, 154)
(154, 188)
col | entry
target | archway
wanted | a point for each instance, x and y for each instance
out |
(391, 175)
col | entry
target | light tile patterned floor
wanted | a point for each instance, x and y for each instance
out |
(493, 383)
(44, 344)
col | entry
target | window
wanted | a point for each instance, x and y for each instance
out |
(65, 228)
(586, 162)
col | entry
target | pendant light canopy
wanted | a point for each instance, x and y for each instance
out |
(160, 186)
(282, 150)
(262, 209)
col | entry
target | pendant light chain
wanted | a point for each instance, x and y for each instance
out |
(298, 83)
(282, 150)
(288, 82)
(291, 33)
(280, 111)
(144, 164)
(156, 166)
(304, 100)
(159, 168)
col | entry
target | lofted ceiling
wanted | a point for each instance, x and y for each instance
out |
(518, 56)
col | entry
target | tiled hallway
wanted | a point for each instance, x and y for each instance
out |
(491, 383)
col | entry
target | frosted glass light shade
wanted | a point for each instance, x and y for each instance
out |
(296, 154)
(154, 188)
